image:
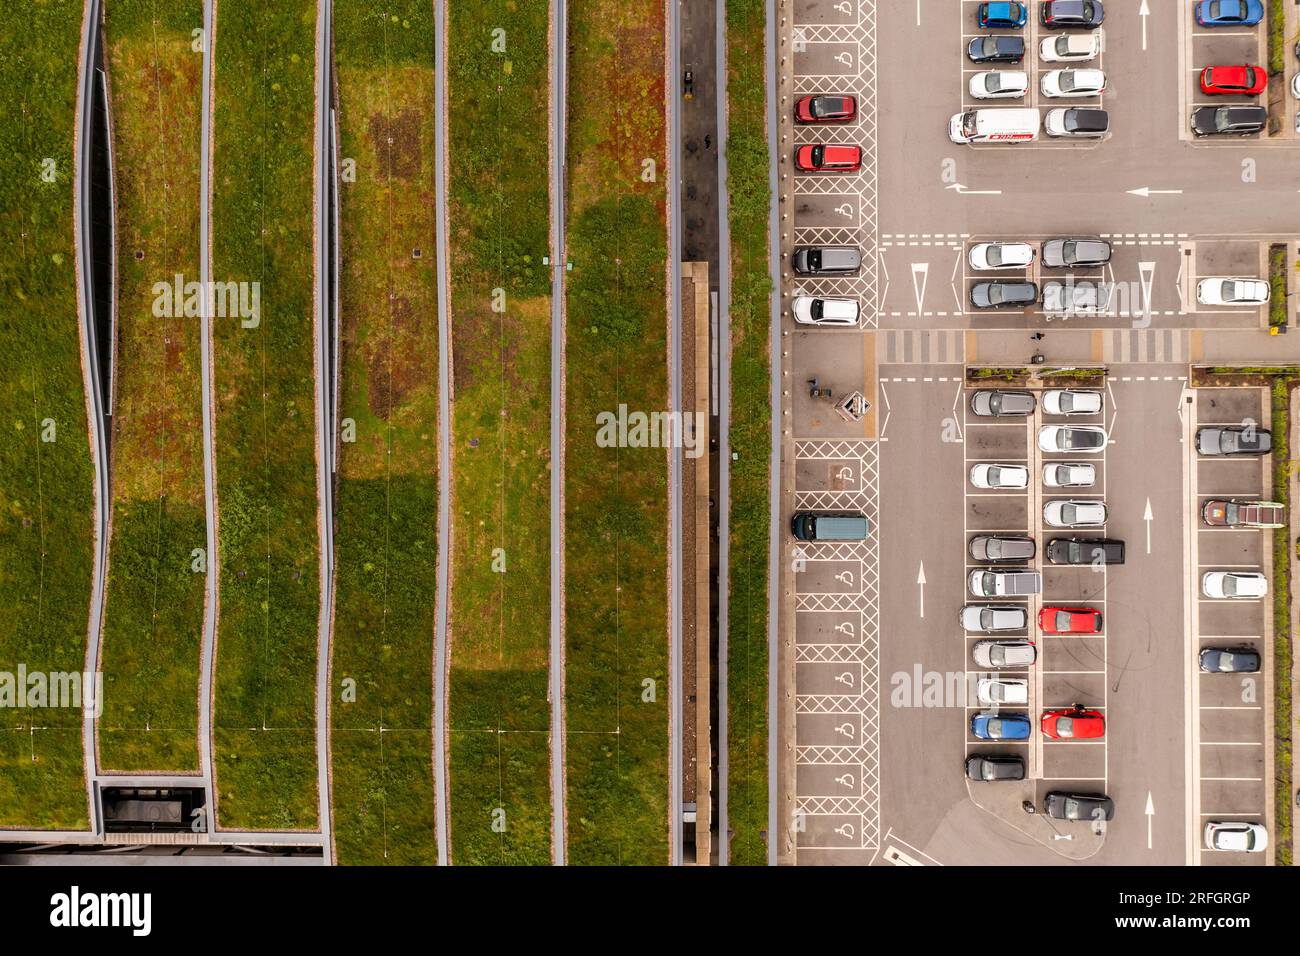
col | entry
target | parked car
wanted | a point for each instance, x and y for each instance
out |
(990, 618)
(1234, 585)
(818, 526)
(1223, 290)
(1229, 660)
(1244, 80)
(1005, 582)
(1001, 16)
(1071, 14)
(996, 49)
(825, 109)
(1229, 13)
(826, 261)
(999, 476)
(1003, 691)
(1228, 120)
(1069, 475)
(827, 158)
(1233, 440)
(1075, 253)
(986, 547)
(1075, 297)
(1071, 401)
(1070, 47)
(999, 654)
(1077, 121)
(1065, 438)
(1000, 255)
(1238, 835)
(1080, 551)
(1087, 807)
(989, 768)
(998, 403)
(999, 85)
(1069, 620)
(1003, 295)
(810, 310)
(1075, 723)
(1074, 514)
(1227, 513)
(1058, 84)
(1000, 726)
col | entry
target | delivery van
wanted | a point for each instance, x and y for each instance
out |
(1016, 125)
(810, 526)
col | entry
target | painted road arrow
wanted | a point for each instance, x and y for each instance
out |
(1146, 192)
(920, 580)
(1147, 516)
(1151, 812)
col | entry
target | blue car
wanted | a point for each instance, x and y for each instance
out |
(1000, 726)
(1229, 13)
(999, 16)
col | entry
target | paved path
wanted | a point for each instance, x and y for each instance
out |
(675, 457)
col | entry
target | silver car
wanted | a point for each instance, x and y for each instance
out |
(998, 403)
(999, 654)
(1074, 514)
(989, 618)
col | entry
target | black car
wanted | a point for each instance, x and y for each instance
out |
(1071, 14)
(987, 768)
(1063, 805)
(1003, 295)
(826, 261)
(1228, 120)
(1233, 440)
(996, 49)
(987, 547)
(1229, 660)
(1084, 551)
(1072, 253)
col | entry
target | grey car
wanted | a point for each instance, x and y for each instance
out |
(1065, 805)
(826, 261)
(985, 547)
(1003, 295)
(1069, 253)
(997, 403)
(1081, 297)
(995, 655)
(1234, 440)
(1229, 660)
(1229, 120)
(987, 768)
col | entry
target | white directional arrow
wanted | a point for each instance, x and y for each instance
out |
(1146, 192)
(920, 580)
(962, 190)
(1147, 516)
(1151, 812)
(920, 272)
(1144, 11)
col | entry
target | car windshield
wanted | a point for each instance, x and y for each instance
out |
(994, 256)
(987, 618)
(989, 46)
(1073, 809)
(816, 309)
(814, 258)
(1069, 514)
(1062, 620)
(1062, 46)
(995, 727)
(993, 83)
(1065, 726)
(818, 154)
(998, 655)
(988, 770)
(1230, 513)
(1229, 585)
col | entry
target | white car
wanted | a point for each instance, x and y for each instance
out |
(1074, 514)
(1085, 122)
(1000, 255)
(1295, 86)
(1235, 835)
(1001, 690)
(809, 310)
(1236, 585)
(1070, 47)
(1084, 439)
(996, 654)
(1069, 401)
(1223, 290)
(1069, 475)
(999, 84)
(999, 476)
(1058, 84)
(994, 617)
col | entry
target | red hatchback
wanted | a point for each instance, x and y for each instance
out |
(824, 158)
(1233, 80)
(1073, 724)
(825, 109)
(1070, 620)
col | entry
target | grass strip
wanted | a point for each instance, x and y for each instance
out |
(1276, 37)
(1282, 651)
(264, 740)
(616, 666)
(153, 611)
(750, 433)
(501, 331)
(1277, 285)
(387, 508)
(46, 476)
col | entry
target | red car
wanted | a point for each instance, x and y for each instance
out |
(1073, 724)
(1070, 620)
(1233, 80)
(825, 109)
(824, 158)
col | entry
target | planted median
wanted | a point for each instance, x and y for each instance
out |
(381, 687)
(501, 332)
(264, 742)
(616, 666)
(46, 475)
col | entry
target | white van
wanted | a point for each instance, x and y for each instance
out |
(994, 126)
